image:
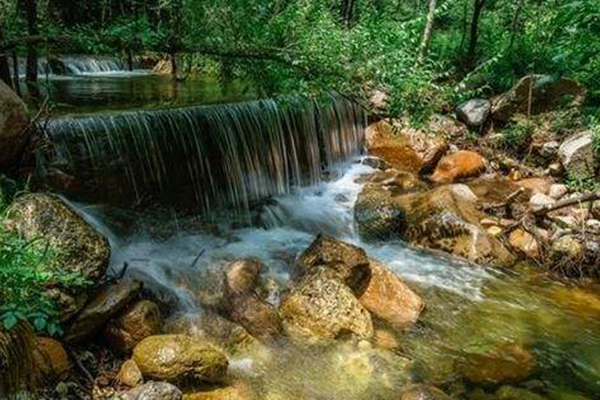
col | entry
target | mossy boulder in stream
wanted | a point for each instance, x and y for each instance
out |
(45, 220)
(180, 359)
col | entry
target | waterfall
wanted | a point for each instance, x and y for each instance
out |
(217, 155)
(76, 65)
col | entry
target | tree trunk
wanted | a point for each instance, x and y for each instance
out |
(474, 37)
(4, 67)
(428, 31)
(31, 77)
(16, 82)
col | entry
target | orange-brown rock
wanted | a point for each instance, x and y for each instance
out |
(237, 391)
(391, 147)
(461, 165)
(52, 359)
(137, 323)
(507, 364)
(524, 242)
(390, 299)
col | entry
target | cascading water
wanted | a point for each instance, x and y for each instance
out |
(236, 154)
(76, 65)
(233, 154)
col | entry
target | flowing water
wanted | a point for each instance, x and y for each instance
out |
(263, 178)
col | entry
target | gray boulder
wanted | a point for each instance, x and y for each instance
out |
(577, 154)
(474, 112)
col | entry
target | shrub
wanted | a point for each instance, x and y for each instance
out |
(28, 269)
(517, 135)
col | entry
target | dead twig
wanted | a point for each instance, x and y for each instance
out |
(509, 200)
(584, 198)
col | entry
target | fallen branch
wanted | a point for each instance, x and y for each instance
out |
(584, 198)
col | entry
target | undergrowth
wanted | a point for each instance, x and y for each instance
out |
(28, 270)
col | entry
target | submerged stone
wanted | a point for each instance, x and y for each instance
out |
(507, 364)
(424, 392)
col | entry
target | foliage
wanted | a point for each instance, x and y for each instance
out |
(28, 269)
(517, 135)
(309, 47)
(582, 184)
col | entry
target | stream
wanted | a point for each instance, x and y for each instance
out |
(268, 201)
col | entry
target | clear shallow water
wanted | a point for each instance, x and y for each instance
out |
(471, 310)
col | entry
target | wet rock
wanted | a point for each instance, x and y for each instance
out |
(108, 302)
(152, 391)
(507, 364)
(13, 121)
(536, 185)
(349, 262)
(424, 392)
(376, 163)
(390, 299)
(539, 200)
(241, 276)
(322, 308)
(558, 191)
(179, 359)
(386, 339)
(461, 165)
(513, 393)
(259, 318)
(522, 241)
(377, 215)
(130, 375)
(577, 154)
(391, 147)
(52, 359)
(82, 250)
(542, 91)
(474, 112)
(135, 324)
(432, 157)
(442, 219)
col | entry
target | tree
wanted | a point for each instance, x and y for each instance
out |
(4, 66)
(428, 30)
(474, 36)
(29, 8)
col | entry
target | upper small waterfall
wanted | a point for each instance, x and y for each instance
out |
(77, 65)
(227, 154)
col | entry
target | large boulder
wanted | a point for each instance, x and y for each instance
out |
(322, 308)
(458, 166)
(152, 391)
(538, 93)
(349, 262)
(81, 248)
(108, 302)
(138, 322)
(577, 154)
(445, 218)
(179, 359)
(474, 112)
(390, 299)
(392, 147)
(13, 126)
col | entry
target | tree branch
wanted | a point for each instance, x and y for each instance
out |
(584, 198)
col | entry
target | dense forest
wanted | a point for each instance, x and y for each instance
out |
(427, 54)
(299, 199)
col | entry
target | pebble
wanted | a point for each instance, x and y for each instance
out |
(557, 191)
